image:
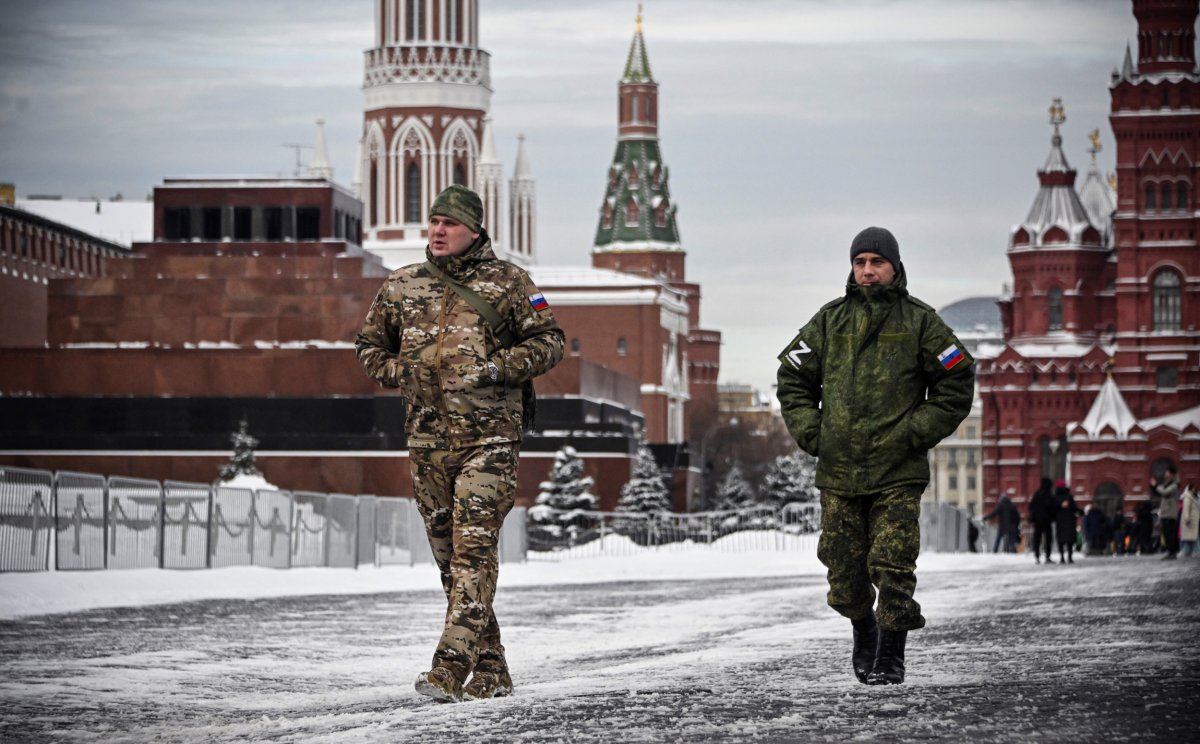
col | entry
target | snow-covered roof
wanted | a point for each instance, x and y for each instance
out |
(1178, 420)
(122, 222)
(1109, 410)
(586, 276)
(979, 316)
(1056, 203)
(1097, 199)
(1064, 349)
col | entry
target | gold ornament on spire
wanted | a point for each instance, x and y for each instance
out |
(639, 18)
(1058, 114)
(1095, 138)
(1112, 181)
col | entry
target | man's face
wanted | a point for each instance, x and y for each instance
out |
(449, 237)
(872, 268)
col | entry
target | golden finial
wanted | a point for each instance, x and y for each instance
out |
(1095, 138)
(1057, 113)
(1112, 181)
(639, 18)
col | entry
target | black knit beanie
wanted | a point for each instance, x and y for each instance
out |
(877, 240)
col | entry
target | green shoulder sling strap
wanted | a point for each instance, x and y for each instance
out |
(483, 307)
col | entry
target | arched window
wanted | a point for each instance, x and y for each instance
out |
(660, 214)
(1166, 300)
(1166, 195)
(1108, 498)
(622, 346)
(460, 175)
(1181, 196)
(633, 176)
(1054, 457)
(1150, 197)
(606, 217)
(412, 194)
(631, 214)
(1054, 312)
(575, 346)
(635, 109)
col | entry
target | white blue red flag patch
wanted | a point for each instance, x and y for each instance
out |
(950, 357)
(538, 301)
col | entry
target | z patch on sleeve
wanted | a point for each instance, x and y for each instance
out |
(799, 355)
(951, 356)
(538, 301)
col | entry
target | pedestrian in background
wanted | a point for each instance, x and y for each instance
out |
(1095, 530)
(461, 335)
(1008, 524)
(1144, 528)
(1065, 521)
(868, 386)
(1041, 515)
(1166, 489)
(1189, 521)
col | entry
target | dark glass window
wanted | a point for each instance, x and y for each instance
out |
(273, 223)
(243, 221)
(308, 223)
(575, 346)
(460, 175)
(210, 219)
(1166, 194)
(1166, 301)
(1181, 196)
(1151, 197)
(1054, 309)
(178, 223)
(412, 194)
(622, 346)
(1168, 378)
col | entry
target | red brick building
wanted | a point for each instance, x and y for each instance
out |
(1099, 378)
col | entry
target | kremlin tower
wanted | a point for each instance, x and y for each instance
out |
(427, 92)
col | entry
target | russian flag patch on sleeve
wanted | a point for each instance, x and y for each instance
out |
(538, 301)
(950, 357)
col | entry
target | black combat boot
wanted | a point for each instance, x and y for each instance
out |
(866, 642)
(889, 662)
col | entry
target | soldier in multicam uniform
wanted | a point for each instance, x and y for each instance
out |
(463, 396)
(868, 386)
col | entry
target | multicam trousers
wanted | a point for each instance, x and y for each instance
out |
(873, 541)
(463, 496)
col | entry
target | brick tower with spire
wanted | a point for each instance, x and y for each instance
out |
(1098, 382)
(638, 232)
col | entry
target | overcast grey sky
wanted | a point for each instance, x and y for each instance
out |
(787, 125)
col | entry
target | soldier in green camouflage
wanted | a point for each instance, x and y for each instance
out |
(463, 397)
(868, 386)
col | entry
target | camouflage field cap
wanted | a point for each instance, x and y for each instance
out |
(459, 203)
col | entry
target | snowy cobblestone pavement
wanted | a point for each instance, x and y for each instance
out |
(1105, 650)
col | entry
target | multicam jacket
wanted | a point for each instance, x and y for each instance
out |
(870, 384)
(423, 338)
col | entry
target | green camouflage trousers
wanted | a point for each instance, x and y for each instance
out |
(463, 495)
(873, 541)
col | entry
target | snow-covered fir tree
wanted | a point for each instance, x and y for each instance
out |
(566, 496)
(242, 462)
(734, 491)
(645, 492)
(791, 478)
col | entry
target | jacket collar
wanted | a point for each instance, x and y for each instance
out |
(464, 264)
(889, 293)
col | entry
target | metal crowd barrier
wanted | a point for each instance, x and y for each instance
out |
(80, 521)
(26, 523)
(945, 529)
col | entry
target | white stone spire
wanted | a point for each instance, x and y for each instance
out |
(523, 214)
(1109, 411)
(319, 166)
(489, 176)
(356, 184)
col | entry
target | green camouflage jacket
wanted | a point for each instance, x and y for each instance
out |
(423, 338)
(873, 382)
